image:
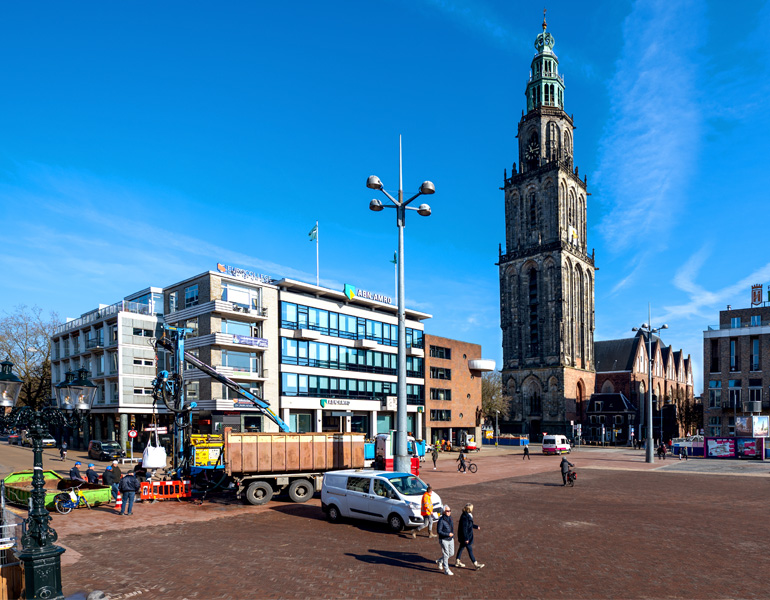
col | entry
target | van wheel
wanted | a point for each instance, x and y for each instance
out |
(395, 523)
(259, 492)
(333, 514)
(301, 490)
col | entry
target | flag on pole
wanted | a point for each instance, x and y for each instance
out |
(395, 258)
(314, 233)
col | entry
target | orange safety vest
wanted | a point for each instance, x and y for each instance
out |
(427, 505)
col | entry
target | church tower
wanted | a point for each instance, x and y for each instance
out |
(546, 274)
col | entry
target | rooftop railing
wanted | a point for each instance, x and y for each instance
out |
(103, 313)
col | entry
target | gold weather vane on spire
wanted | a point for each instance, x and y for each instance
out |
(544, 11)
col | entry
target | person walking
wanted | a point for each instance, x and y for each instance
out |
(91, 474)
(129, 486)
(434, 454)
(465, 537)
(446, 535)
(565, 465)
(63, 450)
(75, 473)
(108, 478)
(116, 472)
(461, 460)
(526, 453)
(426, 510)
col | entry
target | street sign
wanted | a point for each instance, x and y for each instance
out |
(159, 429)
(132, 433)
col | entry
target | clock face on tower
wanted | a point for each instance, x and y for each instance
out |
(533, 151)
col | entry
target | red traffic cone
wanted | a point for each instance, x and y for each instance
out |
(119, 502)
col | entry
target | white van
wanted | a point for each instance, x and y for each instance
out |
(386, 496)
(555, 444)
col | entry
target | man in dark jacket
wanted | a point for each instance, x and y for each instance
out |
(108, 478)
(129, 486)
(75, 473)
(565, 465)
(91, 474)
(446, 538)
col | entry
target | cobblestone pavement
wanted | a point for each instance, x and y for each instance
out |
(628, 529)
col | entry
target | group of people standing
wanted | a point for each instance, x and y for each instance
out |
(127, 485)
(445, 532)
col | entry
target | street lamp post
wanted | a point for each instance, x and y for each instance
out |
(401, 458)
(650, 330)
(497, 429)
(41, 558)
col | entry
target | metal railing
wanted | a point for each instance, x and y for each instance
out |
(102, 313)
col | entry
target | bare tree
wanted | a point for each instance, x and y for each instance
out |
(689, 413)
(493, 398)
(25, 338)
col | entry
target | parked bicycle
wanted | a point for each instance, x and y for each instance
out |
(469, 465)
(69, 499)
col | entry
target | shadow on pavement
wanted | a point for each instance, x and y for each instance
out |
(405, 560)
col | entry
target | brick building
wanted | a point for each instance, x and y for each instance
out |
(453, 372)
(622, 366)
(736, 368)
(546, 274)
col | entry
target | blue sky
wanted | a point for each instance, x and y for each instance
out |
(142, 143)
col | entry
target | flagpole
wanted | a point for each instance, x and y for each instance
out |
(317, 273)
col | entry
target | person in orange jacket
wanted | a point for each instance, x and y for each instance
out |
(426, 510)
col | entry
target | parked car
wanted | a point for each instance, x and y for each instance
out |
(14, 438)
(48, 441)
(100, 450)
(385, 496)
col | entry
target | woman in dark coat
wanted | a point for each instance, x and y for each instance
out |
(465, 536)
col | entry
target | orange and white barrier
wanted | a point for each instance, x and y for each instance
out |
(165, 490)
(119, 501)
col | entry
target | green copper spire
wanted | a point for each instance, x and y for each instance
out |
(545, 86)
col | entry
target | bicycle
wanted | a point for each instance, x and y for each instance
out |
(69, 499)
(571, 477)
(469, 465)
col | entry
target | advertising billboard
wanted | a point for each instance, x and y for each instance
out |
(761, 427)
(720, 448)
(743, 426)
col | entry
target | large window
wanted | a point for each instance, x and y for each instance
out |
(440, 352)
(240, 295)
(715, 394)
(756, 320)
(240, 361)
(173, 302)
(330, 356)
(735, 363)
(734, 389)
(295, 384)
(440, 415)
(298, 316)
(754, 354)
(439, 394)
(715, 426)
(191, 296)
(714, 367)
(237, 328)
(735, 322)
(440, 373)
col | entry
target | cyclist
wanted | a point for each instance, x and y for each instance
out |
(565, 465)
(461, 460)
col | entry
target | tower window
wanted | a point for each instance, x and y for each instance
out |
(532, 212)
(533, 302)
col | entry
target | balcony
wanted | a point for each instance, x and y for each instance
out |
(242, 342)
(307, 334)
(481, 364)
(414, 351)
(95, 345)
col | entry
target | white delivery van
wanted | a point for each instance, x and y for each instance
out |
(386, 496)
(555, 444)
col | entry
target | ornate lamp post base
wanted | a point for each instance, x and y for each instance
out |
(42, 573)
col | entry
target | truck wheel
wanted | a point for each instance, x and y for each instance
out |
(301, 490)
(333, 514)
(259, 492)
(395, 523)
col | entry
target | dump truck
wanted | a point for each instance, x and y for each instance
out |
(263, 464)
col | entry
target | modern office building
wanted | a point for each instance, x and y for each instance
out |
(338, 368)
(453, 371)
(736, 367)
(113, 343)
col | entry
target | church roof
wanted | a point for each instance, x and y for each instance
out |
(615, 355)
(611, 403)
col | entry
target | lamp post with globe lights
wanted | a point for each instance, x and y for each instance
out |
(74, 396)
(650, 330)
(401, 458)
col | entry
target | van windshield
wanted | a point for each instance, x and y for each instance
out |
(408, 485)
